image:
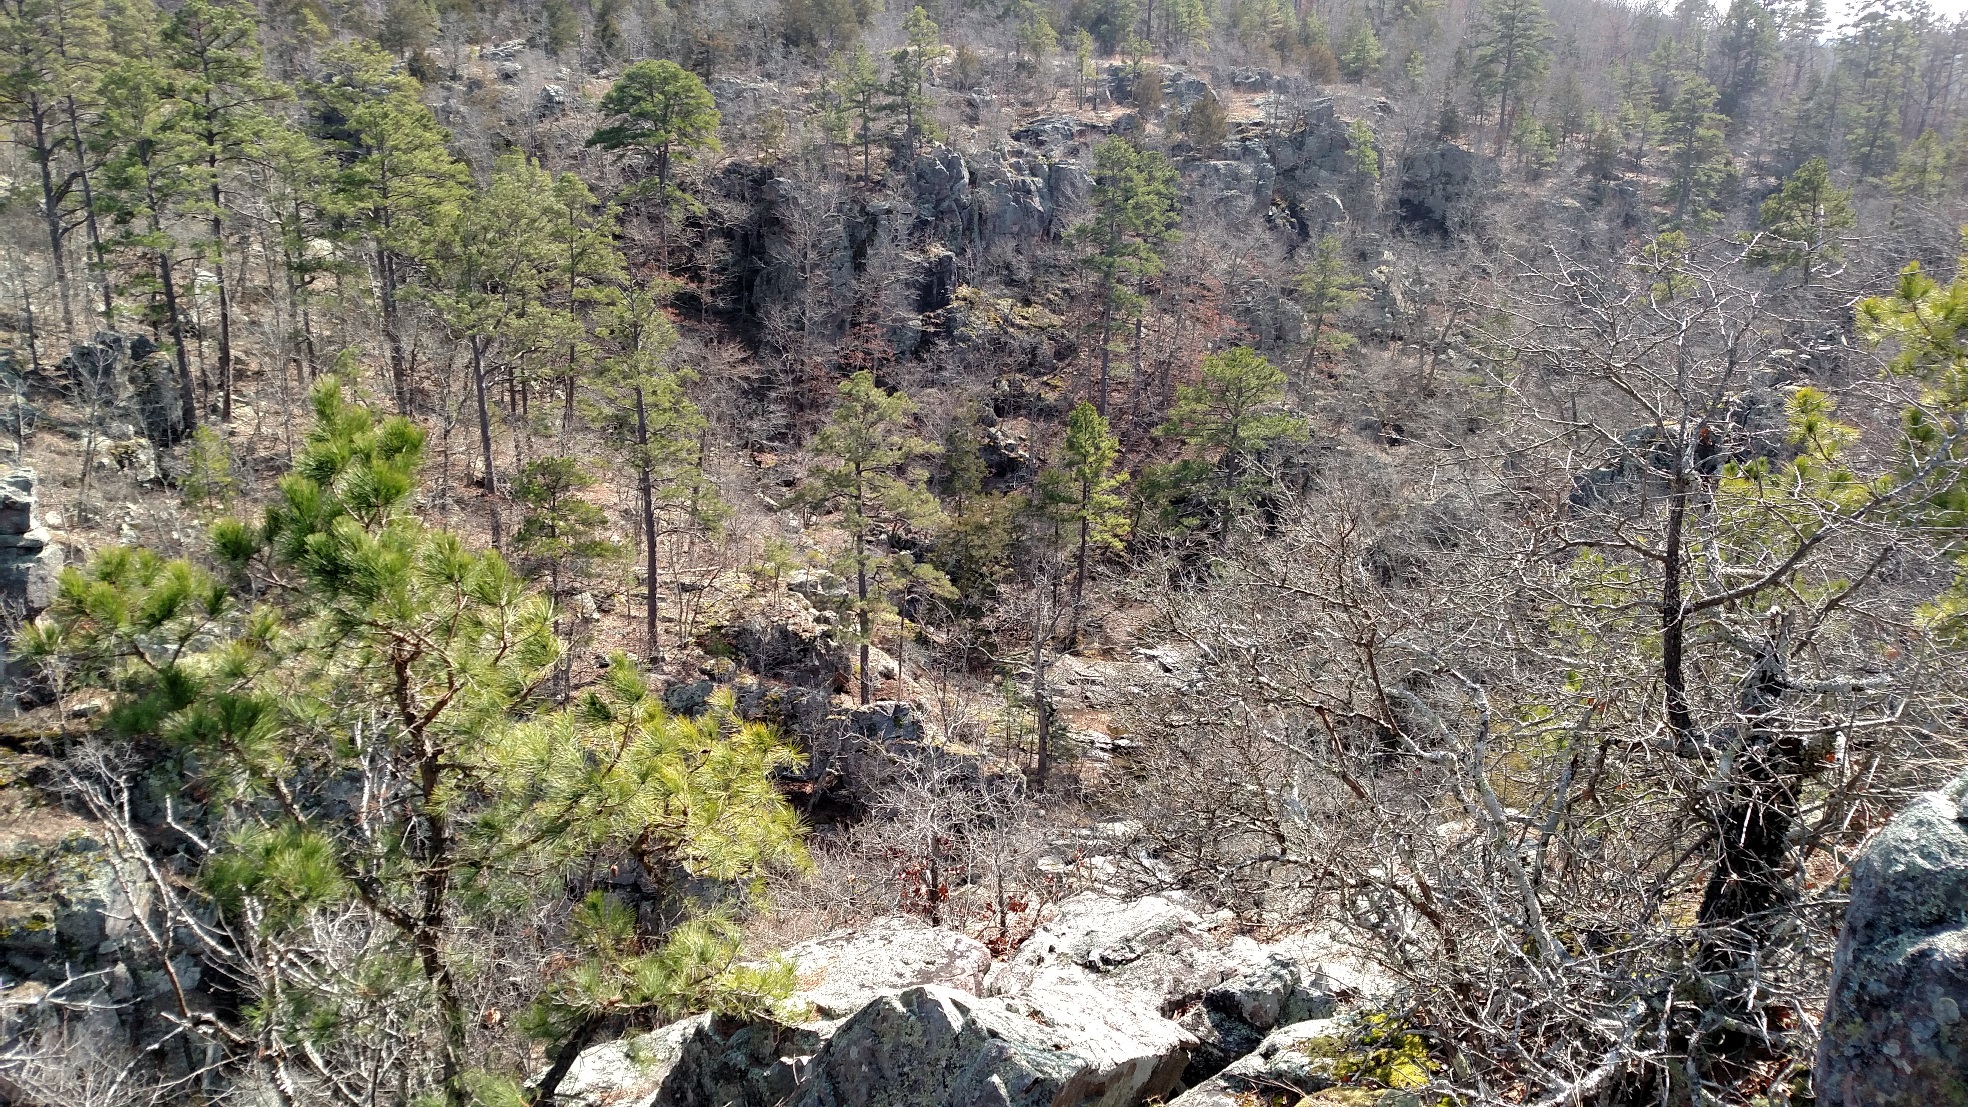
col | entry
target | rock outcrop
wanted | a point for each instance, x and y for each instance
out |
(1083, 1015)
(30, 558)
(1292, 1061)
(932, 1045)
(128, 379)
(1442, 188)
(1894, 1035)
(840, 973)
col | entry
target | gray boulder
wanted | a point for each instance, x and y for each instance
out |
(1152, 950)
(1292, 1061)
(934, 1047)
(1894, 1035)
(127, 378)
(30, 559)
(1052, 133)
(840, 973)
(1442, 187)
(700, 1060)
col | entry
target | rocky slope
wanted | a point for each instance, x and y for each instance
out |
(1113, 1002)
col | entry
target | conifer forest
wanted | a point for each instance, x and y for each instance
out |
(983, 553)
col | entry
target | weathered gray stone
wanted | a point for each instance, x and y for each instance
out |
(17, 502)
(934, 1047)
(1442, 187)
(1153, 948)
(841, 972)
(701, 1060)
(1893, 1032)
(30, 559)
(128, 378)
(1052, 133)
(1292, 1061)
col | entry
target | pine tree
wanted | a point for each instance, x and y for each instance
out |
(149, 178)
(213, 49)
(974, 548)
(1084, 495)
(394, 661)
(1228, 419)
(909, 75)
(663, 111)
(1700, 172)
(1204, 124)
(1922, 173)
(558, 528)
(296, 180)
(1036, 37)
(494, 259)
(1801, 222)
(1876, 57)
(857, 84)
(1745, 50)
(39, 72)
(1513, 49)
(398, 182)
(1361, 56)
(662, 432)
(865, 476)
(1134, 200)
(1325, 287)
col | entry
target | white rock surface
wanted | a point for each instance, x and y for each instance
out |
(931, 1046)
(840, 972)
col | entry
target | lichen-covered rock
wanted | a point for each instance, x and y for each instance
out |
(934, 1047)
(701, 1060)
(1894, 1035)
(1293, 1060)
(1152, 946)
(841, 972)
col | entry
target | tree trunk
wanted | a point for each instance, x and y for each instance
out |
(392, 327)
(1752, 827)
(188, 397)
(1674, 616)
(485, 433)
(652, 635)
(44, 156)
(1080, 566)
(1106, 354)
(862, 619)
(1041, 707)
(563, 1060)
(219, 274)
(89, 211)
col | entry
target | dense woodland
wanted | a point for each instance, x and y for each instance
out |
(1501, 464)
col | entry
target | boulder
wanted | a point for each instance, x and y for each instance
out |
(931, 1046)
(787, 639)
(551, 102)
(128, 378)
(1051, 133)
(839, 973)
(1893, 1033)
(1442, 186)
(1009, 463)
(30, 559)
(1293, 1061)
(1294, 981)
(701, 1060)
(940, 180)
(1152, 949)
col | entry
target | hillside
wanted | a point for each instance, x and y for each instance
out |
(1099, 553)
